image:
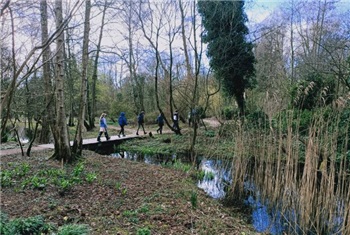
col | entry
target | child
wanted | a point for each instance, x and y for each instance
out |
(103, 127)
(160, 121)
(140, 121)
(122, 122)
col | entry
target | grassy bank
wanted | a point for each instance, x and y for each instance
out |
(105, 195)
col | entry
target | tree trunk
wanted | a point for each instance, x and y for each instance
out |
(47, 118)
(62, 146)
(7, 99)
(78, 141)
(92, 109)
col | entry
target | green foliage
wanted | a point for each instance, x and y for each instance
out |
(118, 186)
(91, 177)
(65, 184)
(52, 173)
(194, 200)
(78, 169)
(210, 133)
(143, 231)
(333, 123)
(230, 54)
(181, 166)
(129, 213)
(123, 105)
(299, 121)
(63, 179)
(22, 170)
(144, 208)
(315, 91)
(36, 226)
(200, 175)
(257, 120)
(74, 229)
(124, 191)
(209, 175)
(3, 222)
(132, 215)
(6, 178)
(38, 182)
(25, 226)
(229, 113)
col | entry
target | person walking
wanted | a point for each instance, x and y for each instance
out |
(160, 121)
(140, 122)
(103, 127)
(176, 120)
(122, 122)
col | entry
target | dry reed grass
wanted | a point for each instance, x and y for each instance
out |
(305, 178)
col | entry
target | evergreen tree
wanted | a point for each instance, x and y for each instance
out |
(229, 52)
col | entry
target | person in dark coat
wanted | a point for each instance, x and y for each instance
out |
(103, 127)
(176, 120)
(122, 121)
(140, 122)
(160, 121)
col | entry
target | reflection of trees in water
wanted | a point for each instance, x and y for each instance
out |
(216, 186)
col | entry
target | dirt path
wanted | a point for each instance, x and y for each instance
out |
(13, 148)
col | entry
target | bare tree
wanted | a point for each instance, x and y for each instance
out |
(192, 76)
(92, 99)
(78, 140)
(21, 71)
(48, 119)
(62, 146)
(153, 19)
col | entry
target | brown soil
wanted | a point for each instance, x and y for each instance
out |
(126, 197)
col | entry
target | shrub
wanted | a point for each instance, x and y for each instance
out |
(229, 113)
(31, 225)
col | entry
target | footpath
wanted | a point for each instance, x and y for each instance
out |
(17, 149)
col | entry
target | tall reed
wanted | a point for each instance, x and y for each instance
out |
(307, 177)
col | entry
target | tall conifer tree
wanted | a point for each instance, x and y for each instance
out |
(229, 52)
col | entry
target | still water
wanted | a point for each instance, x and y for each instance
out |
(215, 186)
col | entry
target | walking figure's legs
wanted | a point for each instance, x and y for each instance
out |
(106, 135)
(99, 136)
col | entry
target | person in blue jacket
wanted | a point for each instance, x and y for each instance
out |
(103, 127)
(140, 122)
(122, 122)
(160, 121)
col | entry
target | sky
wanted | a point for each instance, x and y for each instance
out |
(258, 10)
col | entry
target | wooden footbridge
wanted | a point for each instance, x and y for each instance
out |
(102, 147)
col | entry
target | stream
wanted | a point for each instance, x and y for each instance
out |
(218, 176)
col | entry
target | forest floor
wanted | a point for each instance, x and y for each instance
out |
(113, 196)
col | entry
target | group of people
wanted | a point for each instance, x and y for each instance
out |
(122, 121)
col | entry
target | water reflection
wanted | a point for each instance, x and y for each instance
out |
(265, 219)
(215, 186)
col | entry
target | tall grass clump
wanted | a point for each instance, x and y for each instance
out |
(299, 167)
